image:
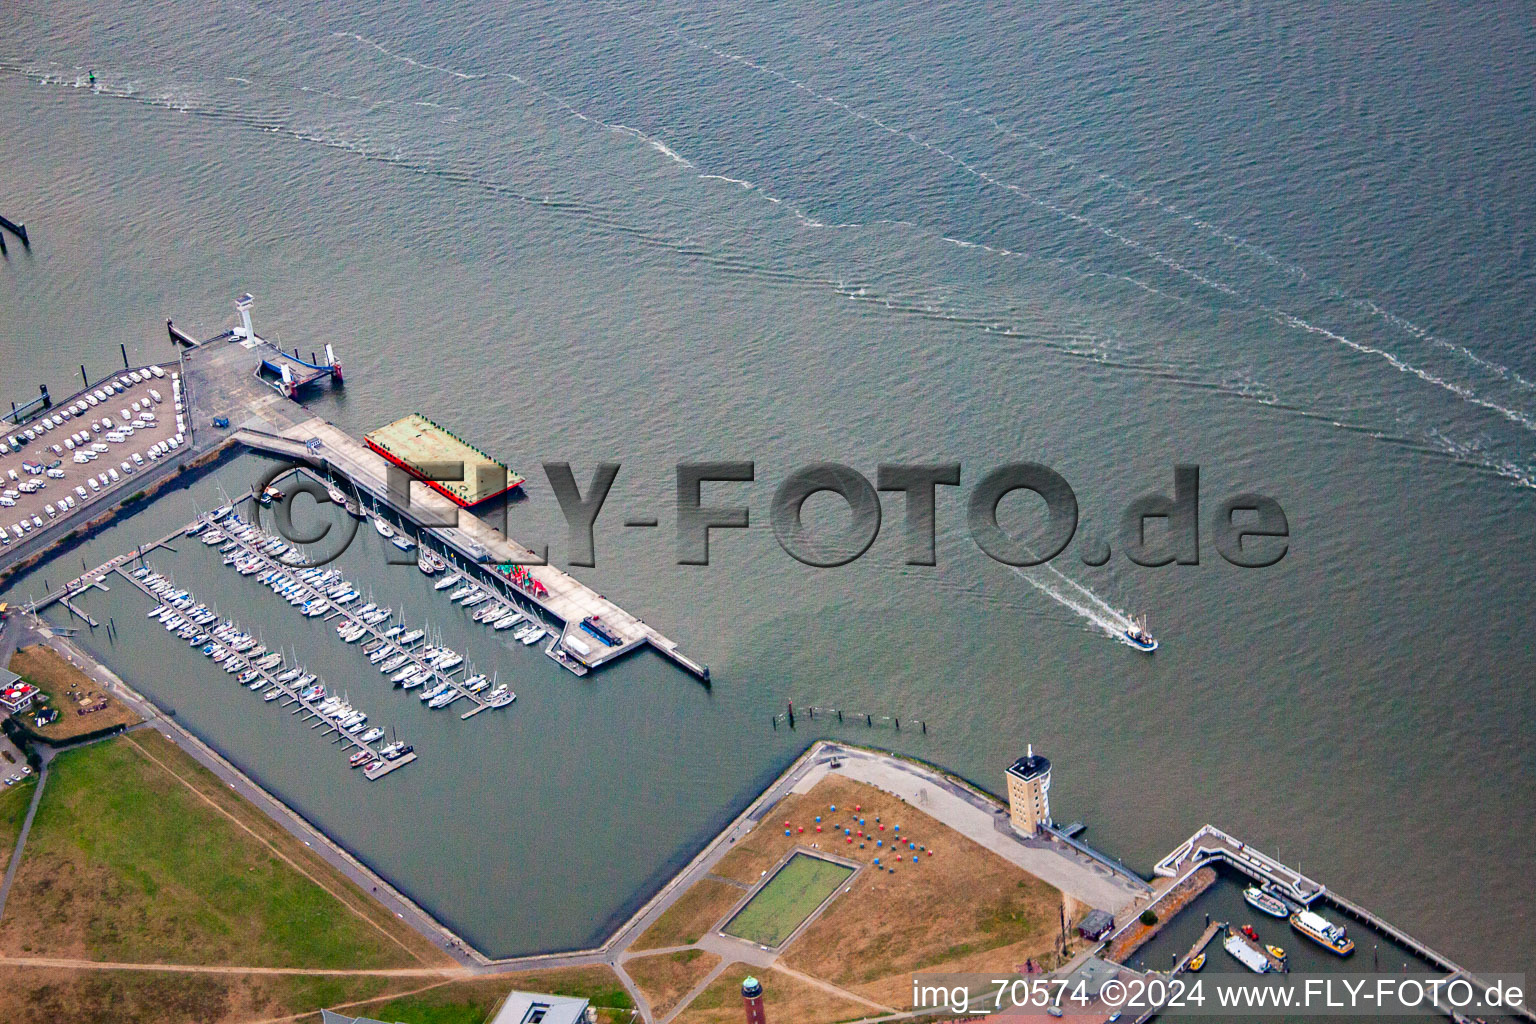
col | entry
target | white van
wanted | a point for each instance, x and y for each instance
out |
(155, 369)
(134, 376)
(113, 475)
(125, 467)
(91, 481)
(69, 443)
(138, 460)
(156, 396)
(174, 442)
(81, 491)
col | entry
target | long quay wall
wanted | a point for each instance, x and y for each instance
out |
(318, 442)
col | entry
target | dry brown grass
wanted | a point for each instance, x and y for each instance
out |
(963, 908)
(667, 977)
(80, 996)
(786, 1000)
(685, 921)
(69, 690)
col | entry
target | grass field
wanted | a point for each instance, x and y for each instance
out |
(471, 1002)
(13, 812)
(786, 1000)
(66, 686)
(140, 855)
(686, 921)
(790, 896)
(666, 977)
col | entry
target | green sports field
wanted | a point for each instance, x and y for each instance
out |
(790, 896)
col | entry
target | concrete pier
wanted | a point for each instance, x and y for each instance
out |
(474, 542)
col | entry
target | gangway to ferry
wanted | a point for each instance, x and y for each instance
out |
(291, 372)
(288, 373)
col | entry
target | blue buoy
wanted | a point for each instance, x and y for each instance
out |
(914, 860)
(786, 831)
(847, 831)
(818, 817)
(834, 807)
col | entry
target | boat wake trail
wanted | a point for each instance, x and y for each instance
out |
(1078, 599)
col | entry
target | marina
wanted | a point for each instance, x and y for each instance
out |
(297, 691)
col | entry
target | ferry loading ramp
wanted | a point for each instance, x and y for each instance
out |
(415, 444)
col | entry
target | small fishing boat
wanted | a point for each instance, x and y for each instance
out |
(1198, 962)
(1138, 637)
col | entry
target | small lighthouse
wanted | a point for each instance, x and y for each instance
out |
(752, 999)
(243, 305)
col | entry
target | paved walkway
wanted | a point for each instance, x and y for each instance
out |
(976, 817)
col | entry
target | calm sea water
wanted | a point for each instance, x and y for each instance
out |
(1291, 246)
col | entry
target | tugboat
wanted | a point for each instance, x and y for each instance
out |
(1138, 637)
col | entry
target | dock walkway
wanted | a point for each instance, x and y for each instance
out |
(1211, 843)
(291, 699)
(251, 550)
(474, 541)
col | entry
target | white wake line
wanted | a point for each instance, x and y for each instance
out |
(1215, 230)
(623, 129)
(1094, 616)
(1462, 391)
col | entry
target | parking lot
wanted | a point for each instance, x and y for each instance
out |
(93, 442)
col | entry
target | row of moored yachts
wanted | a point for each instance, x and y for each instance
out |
(315, 591)
(490, 610)
(237, 651)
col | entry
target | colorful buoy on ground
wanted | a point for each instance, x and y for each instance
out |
(818, 819)
(818, 828)
(786, 831)
(802, 828)
(834, 807)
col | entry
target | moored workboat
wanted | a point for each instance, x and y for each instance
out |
(1270, 904)
(1323, 932)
